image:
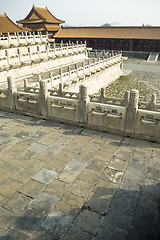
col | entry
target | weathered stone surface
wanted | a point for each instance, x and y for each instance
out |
(42, 234)
(116, 219)
(125, 201)
(80, 188)
(9, 187)
(29, 221)
(77, 233)
(17, 203)
(89, 175)
(118, 164)
(58, 222)
(89, 221)
(6, 219)
(86, 183)
(111, 234)
(98, 202)
(144, 224)
(70, 203)
(22, 176)
(97, 165)
(4, 174)
(44, 176)
(112, 175)
(37, 147)
(104, 155)
(14, 233)
(56, 188)
(44, 203)
(65, 156)
(32, 188)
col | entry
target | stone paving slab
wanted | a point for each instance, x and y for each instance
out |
(63, 182)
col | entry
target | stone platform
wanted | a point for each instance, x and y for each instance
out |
(64, 182)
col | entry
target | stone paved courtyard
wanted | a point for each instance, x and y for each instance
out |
(63, 182)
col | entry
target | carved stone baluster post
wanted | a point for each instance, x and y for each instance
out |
(26, 37)
(76, 67)
(83, 66)
(131, 112)
(51, 77)
(39, 52)
(99, 63)
(39, 78)
(11, 93)
(54, 47)
(40, 36)
(85, 44)
(47, 35)
(43, 98)
(69, 71)
(96, 54)
(83, 102)
(47, 51)
(30, 54)
(34, 37)
(94, 62)
(9, 39)
(77, 45)
(126, 99)
(19, 53)
(61, 46)
(152, 105)
(102, 96)
(60, 90)
(112, 54)
(103, 59)
(61, 76)
(25, 85)
(18, 39)
(8, 56)
(81, 46)
(67, 48)
(72, 48)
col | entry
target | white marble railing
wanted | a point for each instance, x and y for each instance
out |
(125, 120)
(70, 77)
(102, 98)
(19, 39)
(35, 54)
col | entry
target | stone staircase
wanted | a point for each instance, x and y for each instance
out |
(153, 57)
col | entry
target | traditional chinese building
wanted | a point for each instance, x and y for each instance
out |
(7, 26)
(146, 39)
(41, 19)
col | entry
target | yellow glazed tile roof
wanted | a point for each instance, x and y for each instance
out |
(6, 25)
(40, 15)
(110, 32)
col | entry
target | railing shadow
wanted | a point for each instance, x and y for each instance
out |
(109, 214)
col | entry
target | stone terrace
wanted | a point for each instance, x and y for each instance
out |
(64, 182)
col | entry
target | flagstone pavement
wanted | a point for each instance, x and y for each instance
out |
(64, 182)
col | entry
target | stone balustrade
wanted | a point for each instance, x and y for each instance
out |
(71, 76)
(22, 39)
(102, 53)
(77, 109)
(101, 98)
(17, 57)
